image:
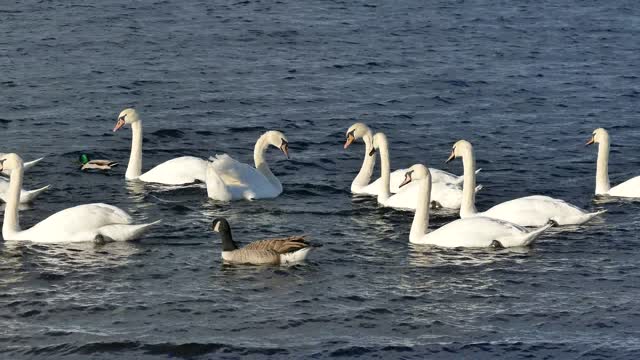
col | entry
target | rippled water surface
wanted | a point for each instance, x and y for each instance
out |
(525, 82)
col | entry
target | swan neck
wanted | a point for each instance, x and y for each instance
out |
(385, 171)
(366, 170)
(468, 206)
(420, 222)
(134, 169)
(261, 164)
(11, 223)
(602, 168)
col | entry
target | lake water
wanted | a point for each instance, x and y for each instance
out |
(525, 82)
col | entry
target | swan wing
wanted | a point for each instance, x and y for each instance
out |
(242, 180)
(446, 195)
(233, 171)
(476, 232)
(78, 223)
(537, 210)
(406, 198)
(629, 188)
(446, 177)
(397, 177)
(26, 196)
(178, 171)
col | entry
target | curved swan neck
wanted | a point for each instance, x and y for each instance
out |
(366, 170)
(134, 169)
(11, 223)
(420, 222)
(261, 164)
(602, 168)
(385, 169)
(468, 206)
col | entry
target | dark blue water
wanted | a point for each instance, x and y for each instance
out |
(525, 82)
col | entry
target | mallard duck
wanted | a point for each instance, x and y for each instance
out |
(279, 251)
(88, 164)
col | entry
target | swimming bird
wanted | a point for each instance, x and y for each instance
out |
(278, 251)
(472, 232)
(178, 171)
(362, 184)
(90, 222)
(629, 188)
(88, 164)
(228, 179)
(443, 194)
(534, 210)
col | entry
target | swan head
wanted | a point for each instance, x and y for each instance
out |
(277, 139)
(459, 149)
(599, 135)
(357, 131)
(10, 161)
(127, 116)
(416, 172)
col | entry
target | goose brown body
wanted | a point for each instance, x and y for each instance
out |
(262, 252)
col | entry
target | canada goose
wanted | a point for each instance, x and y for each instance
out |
(262, 252)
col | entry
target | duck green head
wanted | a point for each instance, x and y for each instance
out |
(84, 158)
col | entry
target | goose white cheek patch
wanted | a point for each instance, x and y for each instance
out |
(216, 227)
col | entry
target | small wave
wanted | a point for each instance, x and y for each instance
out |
(171, 133)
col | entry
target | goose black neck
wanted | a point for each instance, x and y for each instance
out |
(227, 240)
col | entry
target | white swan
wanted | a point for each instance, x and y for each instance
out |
(90, 222)
(470, 232)
(629, 188)
(28, 165)
(534, 210)
(228, 179)
(178, 171)
(361, 185)
(444, 195)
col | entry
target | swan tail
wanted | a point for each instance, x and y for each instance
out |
(294, 257)
(478, 188)
(124, 232)
(590, 216)
(30, 164)
(29, 196)
(534, 234)
(477, 171)
(216, 188)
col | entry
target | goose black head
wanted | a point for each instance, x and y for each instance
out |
(221, 226)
